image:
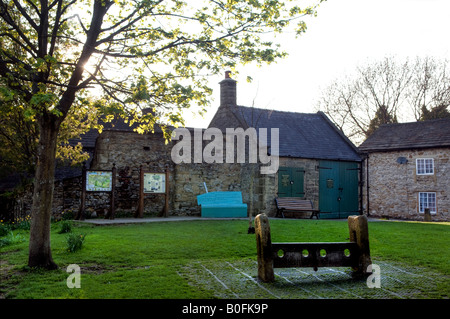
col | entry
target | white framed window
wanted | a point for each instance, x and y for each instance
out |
(427, 200)
(424, 166)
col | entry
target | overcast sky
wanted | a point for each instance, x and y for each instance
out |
(345, 34)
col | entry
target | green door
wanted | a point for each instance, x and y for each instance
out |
(290, 182)
(349, 204)
(338, 189)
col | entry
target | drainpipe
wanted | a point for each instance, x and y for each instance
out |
(361, 188)
(367, 184)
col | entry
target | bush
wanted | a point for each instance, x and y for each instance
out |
(4, 229)
(11, 239)
(66, 227)
(67, 215)
(75, 242)
(23, 223)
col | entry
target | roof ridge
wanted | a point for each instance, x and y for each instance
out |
(273, 110)
(416, 122)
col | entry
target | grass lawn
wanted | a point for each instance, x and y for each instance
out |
(185, 259)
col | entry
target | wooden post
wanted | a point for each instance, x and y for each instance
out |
(166, 204)
(359, 233)
(427, 215)
(113, 190)
(140, 210)
(264, 248)
(80, 214)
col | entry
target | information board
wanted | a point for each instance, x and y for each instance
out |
(154, 183)
(98, 181)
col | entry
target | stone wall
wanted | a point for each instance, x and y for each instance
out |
(128, 151)
(66, 197)
(394, 188)
(310, 183)
(190, 179)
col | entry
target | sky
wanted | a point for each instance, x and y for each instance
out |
(345, 34)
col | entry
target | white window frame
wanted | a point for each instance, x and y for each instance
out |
(427, 200)
(421, 166)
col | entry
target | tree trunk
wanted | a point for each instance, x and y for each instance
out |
(39, 249)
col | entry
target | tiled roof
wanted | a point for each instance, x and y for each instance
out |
(303, 135)
(414, 135)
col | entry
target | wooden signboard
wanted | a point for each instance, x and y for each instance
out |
(97, 181)
(153, 183)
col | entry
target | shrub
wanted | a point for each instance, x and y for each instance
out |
(67, 215)
(11, 239)
(22, 223)
(4, 229)
(75, 242)
(66, 227)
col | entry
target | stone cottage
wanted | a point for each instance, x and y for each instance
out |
(407, 169)
(316, 162)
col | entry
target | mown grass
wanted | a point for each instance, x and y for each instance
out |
(146, 260)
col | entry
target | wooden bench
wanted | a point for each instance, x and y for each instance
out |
(295, 205)
(222, 204)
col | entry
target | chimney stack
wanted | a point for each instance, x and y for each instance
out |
(228, 91)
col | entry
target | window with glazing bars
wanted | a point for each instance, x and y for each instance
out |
(427, 200)
(424, 166)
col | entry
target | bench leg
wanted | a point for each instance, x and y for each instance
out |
(314, 214)
(280, 211)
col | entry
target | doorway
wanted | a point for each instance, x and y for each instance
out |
(338, 189)
(291, 182)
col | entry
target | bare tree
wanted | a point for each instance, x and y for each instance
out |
(430, 87)
(383, 92)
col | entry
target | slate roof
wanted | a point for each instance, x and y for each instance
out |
(413, 135)
(89, 138)
(302, 135)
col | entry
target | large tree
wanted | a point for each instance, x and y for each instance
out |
(128, 55)
(387, 91)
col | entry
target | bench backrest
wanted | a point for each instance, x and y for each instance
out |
(220, 198)
(293, 201)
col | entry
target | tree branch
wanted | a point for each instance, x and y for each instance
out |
(25, 15)
(9, 20)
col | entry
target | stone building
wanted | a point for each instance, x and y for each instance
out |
(407, 169)
(316, 162)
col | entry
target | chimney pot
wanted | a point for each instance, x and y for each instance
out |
(228, 90)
